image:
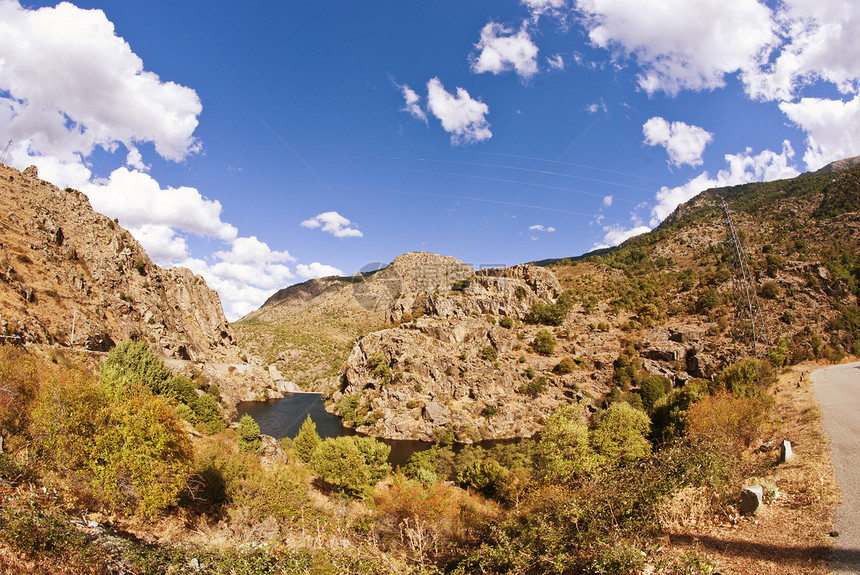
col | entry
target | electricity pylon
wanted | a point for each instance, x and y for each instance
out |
(749, 319)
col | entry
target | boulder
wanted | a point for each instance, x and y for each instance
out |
(751, 498)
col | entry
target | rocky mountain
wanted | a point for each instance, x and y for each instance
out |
(491, 353)
(72, 277)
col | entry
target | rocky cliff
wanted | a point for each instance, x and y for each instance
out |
(467, 360)
(72, 277)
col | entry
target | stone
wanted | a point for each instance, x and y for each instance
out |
(785, 451)
(751, 498)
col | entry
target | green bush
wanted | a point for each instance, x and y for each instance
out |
(207, 415)
(652, 389)
(620, 434)
(134, 362)
(351, 463)
(485, 476)
(506, 322)
(489, 353)
(770, 290)
(563, 451)
(565, 366)
(249, 434)
(544, 343)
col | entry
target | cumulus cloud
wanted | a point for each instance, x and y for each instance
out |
(742, 168)
(461, 116)
(820, 41)
(832, 128)
(681, 44)
(137, 200)
(541, 228)
(685, 144)
(501, 50)
(607, 201)
(333, 223)
(413, 105)
(317, 270)
(69, 84)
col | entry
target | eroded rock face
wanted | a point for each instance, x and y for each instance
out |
(67, 268)
(72, 277)
(450, 364)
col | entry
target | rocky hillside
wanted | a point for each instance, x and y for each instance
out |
(72, 277)
(496, 352)
(307, 330)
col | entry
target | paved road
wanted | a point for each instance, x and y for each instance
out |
(837, 389)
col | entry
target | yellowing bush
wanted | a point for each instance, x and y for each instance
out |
(729, 420)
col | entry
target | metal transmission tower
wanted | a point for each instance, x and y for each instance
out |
(749, 320)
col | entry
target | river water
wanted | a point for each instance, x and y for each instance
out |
(284, 418)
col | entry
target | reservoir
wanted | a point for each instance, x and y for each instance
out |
(284, 418)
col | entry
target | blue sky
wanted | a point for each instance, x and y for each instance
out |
(264, 143)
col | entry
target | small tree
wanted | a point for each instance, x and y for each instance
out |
(249, 435)
(307, 440)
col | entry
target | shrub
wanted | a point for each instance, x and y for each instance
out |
(506, 322)
(563, 450)
(249, 434)
(134, 362)
(351, 463)
(729, 421)
(489, 353)
(485, 476)
(207, 415)
(534, 387)
(770, 290)
(620, 434)
(544, 343)
(565, 366)
(307, 440)
(653, 388)
(707, 301)
(747, 377)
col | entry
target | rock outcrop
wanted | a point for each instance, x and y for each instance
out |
(70, 276)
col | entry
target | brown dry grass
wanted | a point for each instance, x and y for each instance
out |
(790, 534)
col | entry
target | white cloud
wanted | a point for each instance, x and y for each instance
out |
(556, 62)
(682, 44)
(685, 144)
(317, 270)
(137, 200)
(597, 107)
(500, 50)
(540, 228)
(832, 128)
(333, 223)
(413, 105)
(554, 8)
(607, 201)
(820, 42)
(742, 168)
(616, 234)
(461, 116)
(69, 84)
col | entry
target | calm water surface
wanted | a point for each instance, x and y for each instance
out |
(284, 418)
